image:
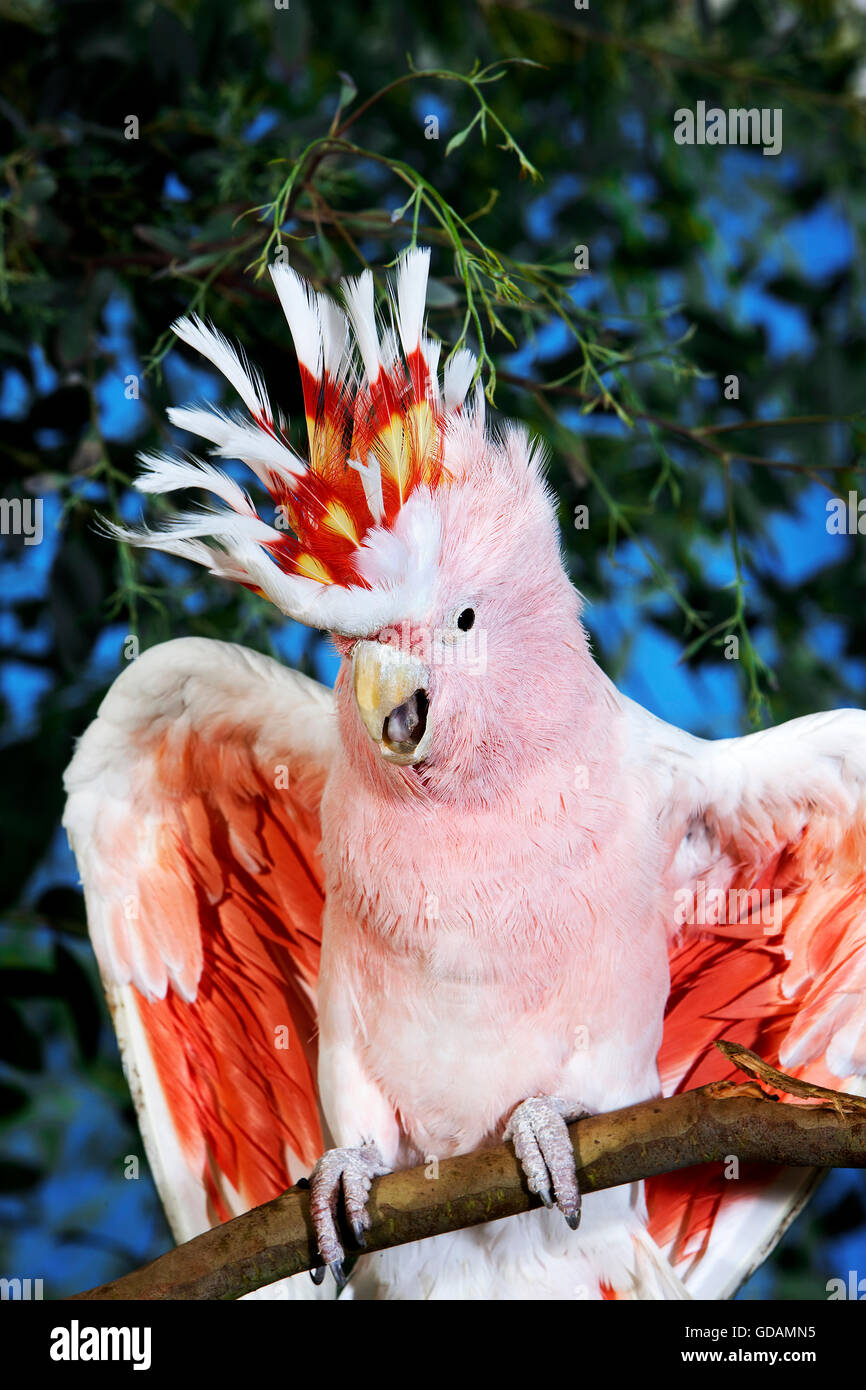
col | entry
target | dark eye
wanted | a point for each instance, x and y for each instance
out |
(466, 619)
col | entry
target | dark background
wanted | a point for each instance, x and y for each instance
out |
(704, 261)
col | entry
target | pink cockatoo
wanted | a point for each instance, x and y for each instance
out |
(472, 892)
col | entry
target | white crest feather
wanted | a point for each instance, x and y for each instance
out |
(167, 474)
(431, 349)
(240, 439)
(204, 338)
(335, 335)
(459, 371)
(413, 269)
(302, 315)
(360, 305)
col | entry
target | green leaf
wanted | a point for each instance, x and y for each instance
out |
(457, 140)
(348, 90)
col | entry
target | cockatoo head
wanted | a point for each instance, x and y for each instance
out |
(426, 543)
(465, 678)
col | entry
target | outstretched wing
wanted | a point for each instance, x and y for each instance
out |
(193, 812)
(767, 882)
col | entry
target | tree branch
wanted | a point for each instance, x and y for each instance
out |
(707, 1125)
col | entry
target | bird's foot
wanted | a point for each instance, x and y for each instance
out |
(538, 1130)
(347, 1173)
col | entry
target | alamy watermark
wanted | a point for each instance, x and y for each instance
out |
(21, 516)
(738, 125)
(846, 516)
(20, 1290)
(77, 1343)
(439, 646)
(853, 1288)
(703, 906)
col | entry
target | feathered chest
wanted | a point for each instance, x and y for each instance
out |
(523, 890)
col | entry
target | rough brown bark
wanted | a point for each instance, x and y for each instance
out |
(660, 1136)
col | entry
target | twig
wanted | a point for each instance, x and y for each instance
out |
(753, 1065)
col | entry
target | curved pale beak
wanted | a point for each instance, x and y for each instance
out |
(392, 693)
